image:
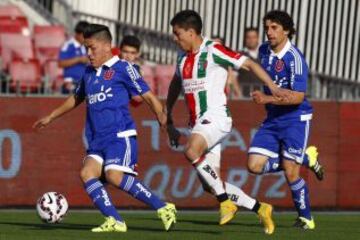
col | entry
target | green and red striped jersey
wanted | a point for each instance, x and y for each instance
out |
(204, 76)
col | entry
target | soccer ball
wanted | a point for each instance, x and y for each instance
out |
(52, 207)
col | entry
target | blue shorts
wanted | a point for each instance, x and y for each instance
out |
(118, 154)
(288, 139)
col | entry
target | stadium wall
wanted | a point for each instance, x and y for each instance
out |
(32, 163)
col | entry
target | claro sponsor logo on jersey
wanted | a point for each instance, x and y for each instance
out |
(101, 96)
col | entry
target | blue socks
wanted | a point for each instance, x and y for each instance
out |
(300, 195)
(101, 199)
(137, 189)
(305, 161)
(272, 165)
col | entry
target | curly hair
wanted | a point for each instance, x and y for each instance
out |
(282, 18)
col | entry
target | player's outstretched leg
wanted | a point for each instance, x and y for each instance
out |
(101, 199)
(166, 211)
(209, 176)
(311, 160)
(167, 214)
(263, 210)
(300, 195)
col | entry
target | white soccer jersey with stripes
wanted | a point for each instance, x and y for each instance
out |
(204, 76)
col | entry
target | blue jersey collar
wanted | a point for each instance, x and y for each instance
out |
(283, 51)
(109, 63)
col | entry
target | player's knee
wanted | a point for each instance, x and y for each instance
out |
(87, 173)
(191, 154)
(291, 176)
(254, 167)
(114, 177)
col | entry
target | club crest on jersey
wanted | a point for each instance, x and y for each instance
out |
(279, 65)
(202, 65)
(109, 74)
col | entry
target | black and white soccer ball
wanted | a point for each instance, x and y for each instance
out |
(52, 207)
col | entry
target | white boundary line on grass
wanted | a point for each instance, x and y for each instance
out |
(133, 211)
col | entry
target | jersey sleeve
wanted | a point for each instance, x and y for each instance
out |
(66, 52)
(298, 74)
(134, 82)
(227, 57)
(79, 90)
(180, 57)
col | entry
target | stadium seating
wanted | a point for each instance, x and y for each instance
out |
(47, 41)
(25, 76)
(54, 75)
(163, 76)
(12, 20)
(11, 15)
(15, 46)
(149, 76)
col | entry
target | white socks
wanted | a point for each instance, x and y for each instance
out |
(237, 196)
(210, 177)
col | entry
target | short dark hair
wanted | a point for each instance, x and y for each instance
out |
(282, 18)
(132, 41)
(98, 31)
(188, 19)
(252, 29)
(81, 26)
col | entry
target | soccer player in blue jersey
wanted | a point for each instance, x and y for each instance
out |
(107, 86)
(73, 59)
(280, 143)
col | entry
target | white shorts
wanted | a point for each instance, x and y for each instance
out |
(213, 128)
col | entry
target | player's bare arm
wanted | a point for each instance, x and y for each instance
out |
(156, 107)
(173, 94)
(293, 98)
(72, 61)
(70, 103)
(265, 78)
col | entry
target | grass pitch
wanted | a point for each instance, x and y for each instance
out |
(25, 225)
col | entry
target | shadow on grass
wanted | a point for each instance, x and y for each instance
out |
(44, 226)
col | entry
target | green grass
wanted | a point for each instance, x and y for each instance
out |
(25, 225)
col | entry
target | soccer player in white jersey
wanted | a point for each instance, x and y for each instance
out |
(201, 73)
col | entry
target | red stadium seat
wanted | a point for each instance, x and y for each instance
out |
(164, 75)
(12, 20)
(54, 75)
(15, 46)
(10, 11)
(25, 75)
(48, 41)
(149, 76)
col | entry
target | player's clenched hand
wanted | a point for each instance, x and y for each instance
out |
(43, 122)
(258, 97)
(281, 93)
(174, 135)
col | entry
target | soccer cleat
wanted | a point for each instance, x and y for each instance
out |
(168, 215)
(227, 211)
(265, 215)
(304, 223)
(314, 163)
(111, 225)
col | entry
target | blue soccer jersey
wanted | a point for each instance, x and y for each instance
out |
(288, 70)
(107, 91)
(72, 49)
(285, 131)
